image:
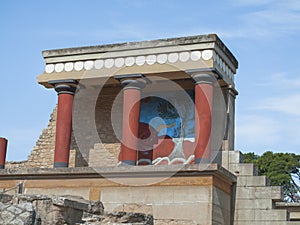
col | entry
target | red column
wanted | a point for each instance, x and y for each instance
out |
(3, 147)
(131, 116)
(203, 116)
(65, 91)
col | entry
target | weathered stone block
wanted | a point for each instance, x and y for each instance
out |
(18, 214)
(220, 215)
(225, 159)
(262, 223)
(235, 157)
(174, 222)
(104, 155)
(295, 216)
(244, 215)
(291, 223)
(269, 192)
(252, 181)
(149, 195)
(231, 157)
(75, 202)
(198, 212)
(273, 192)
(243, 169)
(126, 218)
(113, 207)
(220, 198)
(133, 208)
(271, 215)
(254, 204)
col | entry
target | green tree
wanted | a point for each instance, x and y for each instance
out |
(282, 169)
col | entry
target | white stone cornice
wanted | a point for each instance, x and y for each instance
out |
(147, 57)
(140, 60)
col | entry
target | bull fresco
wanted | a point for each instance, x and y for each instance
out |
(165, 136)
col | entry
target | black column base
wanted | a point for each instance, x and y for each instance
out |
(60, 164)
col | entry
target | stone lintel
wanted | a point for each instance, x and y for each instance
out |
(207, 38)
(146, 57)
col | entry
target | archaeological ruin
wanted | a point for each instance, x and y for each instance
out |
(148, 127)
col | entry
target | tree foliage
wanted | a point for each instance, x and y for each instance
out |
(282, 169)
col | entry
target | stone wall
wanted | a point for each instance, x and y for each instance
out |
(105, 153)
(42, 155)
(93, 129)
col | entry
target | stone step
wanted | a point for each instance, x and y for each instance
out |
(243, 169)
(260, 216)
(274, 193)
(271, 215)
(229, 157)
(254, 204)
(252, 181)
(292, 223)
(266, 223)
(295, 216)
(292, 207)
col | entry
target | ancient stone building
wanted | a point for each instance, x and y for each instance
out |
(149, 127)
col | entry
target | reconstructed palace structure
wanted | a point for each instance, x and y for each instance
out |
(149, 127)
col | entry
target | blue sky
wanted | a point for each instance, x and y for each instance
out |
(263, 35)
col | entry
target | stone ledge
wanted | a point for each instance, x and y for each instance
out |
(292, 207)
(118, 172)
(295, 205)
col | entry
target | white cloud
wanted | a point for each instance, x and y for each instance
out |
(273, 124)
(260, 133)
(287, 4)
(281, 81)
(275, 20)
(287, 98)
(255, 130)
(256, 133)
(251, 2)
(265, 18)
(288, 104)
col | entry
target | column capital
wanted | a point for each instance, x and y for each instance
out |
(231, 90)
(132, 81)
(211, 71)
(64, 86)
(203, 78)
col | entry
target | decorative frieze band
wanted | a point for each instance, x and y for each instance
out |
(163, 58)
(223, 66)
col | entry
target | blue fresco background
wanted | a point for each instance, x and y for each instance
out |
(159, 113)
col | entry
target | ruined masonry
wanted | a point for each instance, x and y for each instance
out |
(148, 127)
